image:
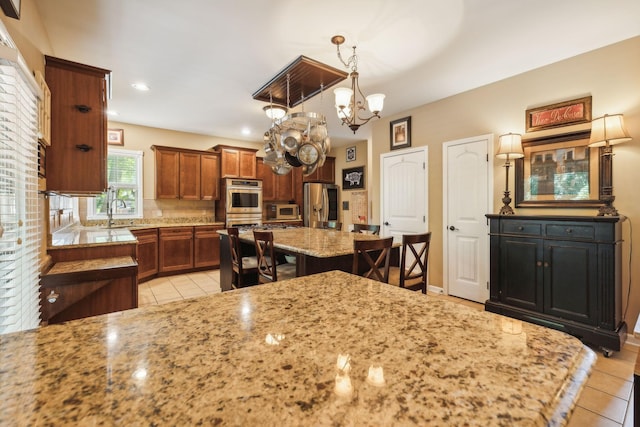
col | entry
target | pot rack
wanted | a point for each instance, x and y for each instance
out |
(307, 78)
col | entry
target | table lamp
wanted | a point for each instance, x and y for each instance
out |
(509, 147)
(606, 131)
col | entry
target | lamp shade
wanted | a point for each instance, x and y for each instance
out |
(510, 146)
(275, 112)
(375, 102)
(608, 129)
(343, 96)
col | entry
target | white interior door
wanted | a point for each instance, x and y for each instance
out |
(404, 192)
(467, 198)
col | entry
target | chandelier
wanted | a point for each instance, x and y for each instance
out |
(348, 105)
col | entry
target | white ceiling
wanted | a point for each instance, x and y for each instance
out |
(203, 59)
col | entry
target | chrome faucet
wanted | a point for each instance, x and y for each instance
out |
(111, 199)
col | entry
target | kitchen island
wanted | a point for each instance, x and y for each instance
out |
(326, 349)
(315, 250)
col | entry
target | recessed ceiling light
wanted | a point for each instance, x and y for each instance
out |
(140, 86)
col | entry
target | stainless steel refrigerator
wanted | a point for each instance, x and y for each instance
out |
(321, 203)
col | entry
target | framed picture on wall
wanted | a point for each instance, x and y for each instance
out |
(353, 178)
(559, 171)
(351, 154)
(115, 136)
(400, 133)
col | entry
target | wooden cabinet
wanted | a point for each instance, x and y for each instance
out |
(87, 281)
(209, 176)
(186, 174)
(206, 246)
(175, 249)
(325, 174)
(236, 162)
(77, 289)
(281, 188)
(561, 272)
(77, 158)
(189, 176)
(44, 110)
(147, 253)
(167, 173)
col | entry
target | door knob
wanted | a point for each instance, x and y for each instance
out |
(387, 223)
(452, 228)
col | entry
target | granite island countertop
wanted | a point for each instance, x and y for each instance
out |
(322, 243)
(327, 349)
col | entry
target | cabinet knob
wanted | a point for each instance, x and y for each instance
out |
(84, 147)
(52, 297)
(82, 108)
(539, 264)
(520, 228)
(569, 231)
(546, 264)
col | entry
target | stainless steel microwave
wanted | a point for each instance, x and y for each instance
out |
(282, 211)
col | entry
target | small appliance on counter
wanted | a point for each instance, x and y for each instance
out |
(287, 211)
(321, 203)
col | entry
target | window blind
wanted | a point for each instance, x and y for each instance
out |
(19, 212)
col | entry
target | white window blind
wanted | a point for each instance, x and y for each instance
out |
(19, 215)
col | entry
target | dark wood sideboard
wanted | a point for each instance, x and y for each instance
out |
(563, 272)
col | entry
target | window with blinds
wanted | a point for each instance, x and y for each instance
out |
(124, 177)
(19, 213)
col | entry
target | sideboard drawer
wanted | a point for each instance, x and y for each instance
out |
(571, 231)
(521, 227)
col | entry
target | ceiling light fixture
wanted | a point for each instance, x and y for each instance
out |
(140, 86)
(275, 112)
(348, 105)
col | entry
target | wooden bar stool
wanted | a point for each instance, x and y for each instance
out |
(378, 269)
(414, 277)
(268, 268)
(370, 228)
(244, 268)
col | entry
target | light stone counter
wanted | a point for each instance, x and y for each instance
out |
(267, 355)
(321, 243)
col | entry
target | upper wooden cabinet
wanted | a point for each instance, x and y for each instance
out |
(44, 111)
(209, 176)
(187, 174)
(77, 157)
(237, 162)
(281, 188)
(326, 173)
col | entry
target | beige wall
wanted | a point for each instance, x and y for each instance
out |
(611, 75)
(29, 35)
(340, 153)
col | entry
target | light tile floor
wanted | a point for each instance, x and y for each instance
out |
(606, 400)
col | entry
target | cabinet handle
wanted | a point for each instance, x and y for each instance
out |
(82, 108)
(84, 147)
(569, 231)
(520, 228)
